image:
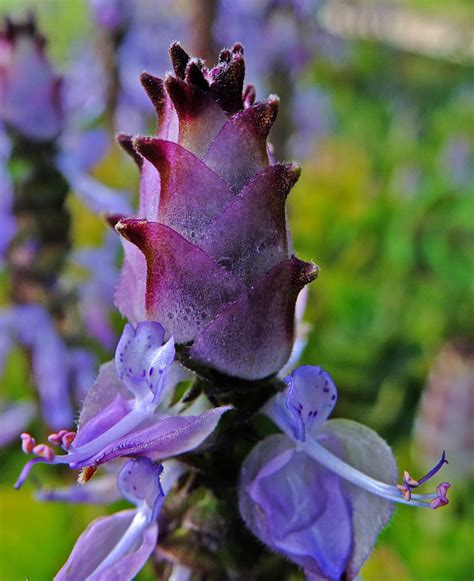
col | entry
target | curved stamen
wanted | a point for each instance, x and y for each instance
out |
(351, 474)
(26, 470)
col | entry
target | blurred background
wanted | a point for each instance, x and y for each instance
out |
(377, 107)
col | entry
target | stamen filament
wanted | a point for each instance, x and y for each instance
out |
(351, 474)
(434, 470)
(118, 430)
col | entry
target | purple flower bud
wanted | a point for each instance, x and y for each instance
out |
(214, 266)
(30, 99)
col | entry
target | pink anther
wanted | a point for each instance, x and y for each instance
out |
(56, 438)
(67, 439)
(442, 489)
(409, 480)
(27, 443)
(438, 502)
(405, 490)
(44, 451)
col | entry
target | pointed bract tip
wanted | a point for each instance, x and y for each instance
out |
(294, 171)
(113, 219)
(132, 229)
(194, 74)
(126, 142)
(179, 59)
(237, 49)
(154, 88)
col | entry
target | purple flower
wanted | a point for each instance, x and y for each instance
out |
(113, 424)
(118, 546)
(7, 220)
(30, 100)
(31, 326)
(97, 292)
(320, 492)
(212, 237)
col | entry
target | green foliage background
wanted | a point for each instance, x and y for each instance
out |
(391, 228)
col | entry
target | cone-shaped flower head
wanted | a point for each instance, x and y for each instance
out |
(209, 255)
(30, 101)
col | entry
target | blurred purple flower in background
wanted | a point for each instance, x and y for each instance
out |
(42, 128)
(132, 28)
(14, 418)
(7, 220)
(96, 293)
(36, 113)
(54, 365)
(281, 38)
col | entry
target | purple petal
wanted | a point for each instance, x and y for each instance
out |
(250, 236)
(237, 343)
(191, 194)
(307, 402)
(296, 507)
(96, 543)
(366, 451)
(107, 417)
(102, 394)
(200, 117)
(239, 151)
(185, 288)
(167, 437)
(141, 359)
(139, 481)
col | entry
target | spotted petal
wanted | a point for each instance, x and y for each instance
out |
(141, 359)
(307, 402)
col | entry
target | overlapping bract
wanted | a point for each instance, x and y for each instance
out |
(214, 266)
